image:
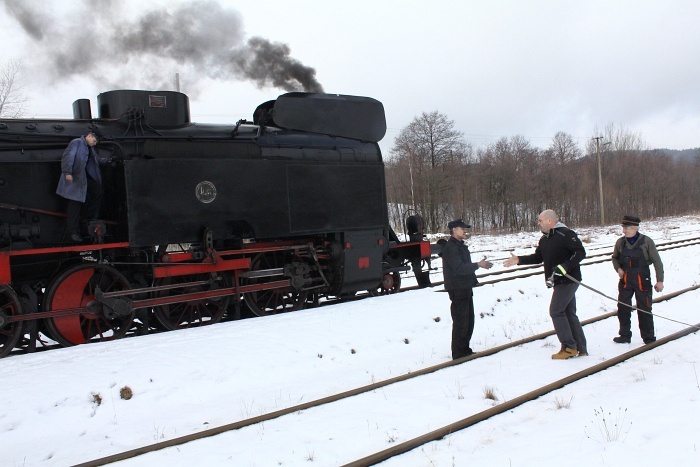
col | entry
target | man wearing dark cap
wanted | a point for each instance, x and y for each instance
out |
(81, 182)
(631, 258)
(460, 278)
(561, 252)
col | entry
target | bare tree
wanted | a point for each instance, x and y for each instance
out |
(12, 97)
(431, 146)
(507, 183)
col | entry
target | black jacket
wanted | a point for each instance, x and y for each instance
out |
(560, 246)
(457, 267)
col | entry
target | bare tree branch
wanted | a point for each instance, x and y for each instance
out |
(12, 85)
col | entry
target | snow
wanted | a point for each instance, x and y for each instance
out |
(645, 411)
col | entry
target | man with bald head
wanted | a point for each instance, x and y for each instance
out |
(561, 251)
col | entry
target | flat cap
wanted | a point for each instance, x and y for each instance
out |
(631, 220)
(458, 223)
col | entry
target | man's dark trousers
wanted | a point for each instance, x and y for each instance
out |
(646, 320)
(89, 208)
(462, 309)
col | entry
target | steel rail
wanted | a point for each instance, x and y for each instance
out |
(446, 430)
(343, 395)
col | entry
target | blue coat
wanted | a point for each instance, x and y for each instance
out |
(78, 159)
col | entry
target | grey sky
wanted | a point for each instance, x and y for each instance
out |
(497, 68)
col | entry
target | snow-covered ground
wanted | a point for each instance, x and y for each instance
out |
(64, 407)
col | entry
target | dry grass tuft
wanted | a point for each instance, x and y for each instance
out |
(490, 393)
(96, 398)
(562, 403)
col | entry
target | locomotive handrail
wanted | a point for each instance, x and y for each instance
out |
(15, 207)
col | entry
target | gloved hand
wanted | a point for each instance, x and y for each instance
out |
(560, 270)
(550, 281)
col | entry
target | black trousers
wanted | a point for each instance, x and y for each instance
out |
(89, 208)
(624, 314)
(462, 310)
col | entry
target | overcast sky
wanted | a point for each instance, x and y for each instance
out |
(497, 68)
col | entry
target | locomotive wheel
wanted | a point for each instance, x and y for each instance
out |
(188, 314)
(10, 333)
(391, 283)
(76, 288)
(273, 301)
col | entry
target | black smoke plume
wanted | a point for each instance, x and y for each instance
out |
(198, 39)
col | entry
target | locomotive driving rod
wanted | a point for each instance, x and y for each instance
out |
(168, 300)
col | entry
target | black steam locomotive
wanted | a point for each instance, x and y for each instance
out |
(197, 220)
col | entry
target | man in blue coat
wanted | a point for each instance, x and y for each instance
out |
(80, 182)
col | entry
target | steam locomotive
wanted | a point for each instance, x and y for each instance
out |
(197, 221)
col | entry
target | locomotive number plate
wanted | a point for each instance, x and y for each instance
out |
(205, 192)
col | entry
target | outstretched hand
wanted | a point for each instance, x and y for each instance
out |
(485, 264)
(512, 261)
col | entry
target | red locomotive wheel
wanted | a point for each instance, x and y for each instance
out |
(189, 314)
(272, 301)
(10, 333)
(75, 288)
(391, 283)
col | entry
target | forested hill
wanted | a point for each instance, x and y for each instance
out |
(687, 154)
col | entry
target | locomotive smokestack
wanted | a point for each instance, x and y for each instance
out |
(81, 109)
(202, 36)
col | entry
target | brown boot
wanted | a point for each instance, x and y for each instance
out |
(564, 353)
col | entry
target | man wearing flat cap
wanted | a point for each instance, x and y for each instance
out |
(631, 258)
(460, 279)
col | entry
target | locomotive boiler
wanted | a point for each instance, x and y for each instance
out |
(197, 220)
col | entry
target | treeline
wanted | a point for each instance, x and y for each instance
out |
(433, 171)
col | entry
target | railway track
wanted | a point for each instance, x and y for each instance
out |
(510, 404)
(590, 259)
(513, 273)
(434, 434)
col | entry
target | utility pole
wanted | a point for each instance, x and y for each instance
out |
(410, 171)
(600, 180)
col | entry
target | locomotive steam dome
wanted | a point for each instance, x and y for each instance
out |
(160, 109)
